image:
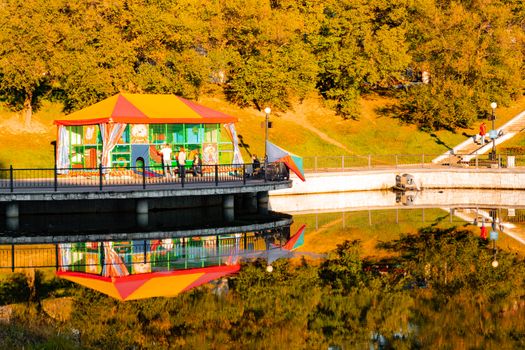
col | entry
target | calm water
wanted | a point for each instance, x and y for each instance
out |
(167, 256)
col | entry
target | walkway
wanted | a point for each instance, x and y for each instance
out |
(468, 149)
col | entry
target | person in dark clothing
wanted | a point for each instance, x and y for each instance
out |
(256, 166)
(197, 165)
(255, 162)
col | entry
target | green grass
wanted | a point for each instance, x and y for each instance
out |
(28, 147)
(373, 133)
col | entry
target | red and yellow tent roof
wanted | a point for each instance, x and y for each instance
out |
(149, 285)
(146, 109)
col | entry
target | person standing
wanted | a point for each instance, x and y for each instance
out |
(482, 132)
(166, 160)
(483, 233)
(255, 162)
(181, 159)
(256, 165)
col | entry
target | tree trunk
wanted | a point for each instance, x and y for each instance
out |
(27, 111)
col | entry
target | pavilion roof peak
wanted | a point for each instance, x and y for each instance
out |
(146, 109)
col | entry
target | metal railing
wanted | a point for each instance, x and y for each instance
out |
(160, 255)
(12, 179)
(388, 161)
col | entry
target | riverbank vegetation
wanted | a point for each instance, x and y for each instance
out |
(439, 288)
(268, 53)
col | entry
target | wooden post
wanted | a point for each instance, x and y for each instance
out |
(56, 178)
(143, 175)
(100, 176)
(56, 257)
(11, 181)
(12, 258)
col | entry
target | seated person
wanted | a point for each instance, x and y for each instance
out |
(197, 165)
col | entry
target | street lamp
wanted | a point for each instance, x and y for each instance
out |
(494, 237)
(267, 110)
(493, 134)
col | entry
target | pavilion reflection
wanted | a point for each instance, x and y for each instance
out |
(142, 269)
(137, 269)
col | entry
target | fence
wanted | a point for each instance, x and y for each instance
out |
(101, 177)
(159, 255)
(356, 162)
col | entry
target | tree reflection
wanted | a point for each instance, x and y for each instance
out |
(439, 291)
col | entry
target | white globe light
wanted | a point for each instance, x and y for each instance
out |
(493, 105)
(267, 110)
(495, 263)
(269, 268)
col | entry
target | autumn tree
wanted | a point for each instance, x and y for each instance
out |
(28, 49)
(270, 61)
(94, 62)
(361, 45)
(474, 53)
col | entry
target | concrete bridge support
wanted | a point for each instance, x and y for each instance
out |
(11, 210)
(142, 220)
(12, 216)
(142, 209)
(263, 202)
(228, 207)
(142, 206)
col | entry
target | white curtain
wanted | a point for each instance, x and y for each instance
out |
(62, 146)
(111, 133)
(237, 156)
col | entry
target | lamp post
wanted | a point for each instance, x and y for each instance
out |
(494, 237)
(54, 144)
(493, 135)
(267, 111)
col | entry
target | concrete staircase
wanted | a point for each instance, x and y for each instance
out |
(468, 149)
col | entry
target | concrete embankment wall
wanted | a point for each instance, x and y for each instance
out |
(435, 178)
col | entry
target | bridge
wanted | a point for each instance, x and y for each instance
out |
(139, 190)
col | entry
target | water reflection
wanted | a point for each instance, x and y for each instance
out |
(388, 199)
(327, 229)
(429, 278)
(129, 270)
(170, 253)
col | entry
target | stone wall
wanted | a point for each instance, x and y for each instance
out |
(435, 178)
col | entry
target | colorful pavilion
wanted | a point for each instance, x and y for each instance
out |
(127, 130)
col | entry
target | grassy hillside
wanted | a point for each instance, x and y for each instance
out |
(310, 129)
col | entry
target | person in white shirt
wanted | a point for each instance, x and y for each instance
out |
(181, 159)
(166, 160)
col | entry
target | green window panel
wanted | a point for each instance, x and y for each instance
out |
(120, 160)
(75, 133)
(194, 133)
(175, 133)
(157, 133)
(77, 155)
(125, 138)
(211, 132)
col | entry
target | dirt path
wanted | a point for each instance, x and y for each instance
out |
(313, 242)
(304, 123)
